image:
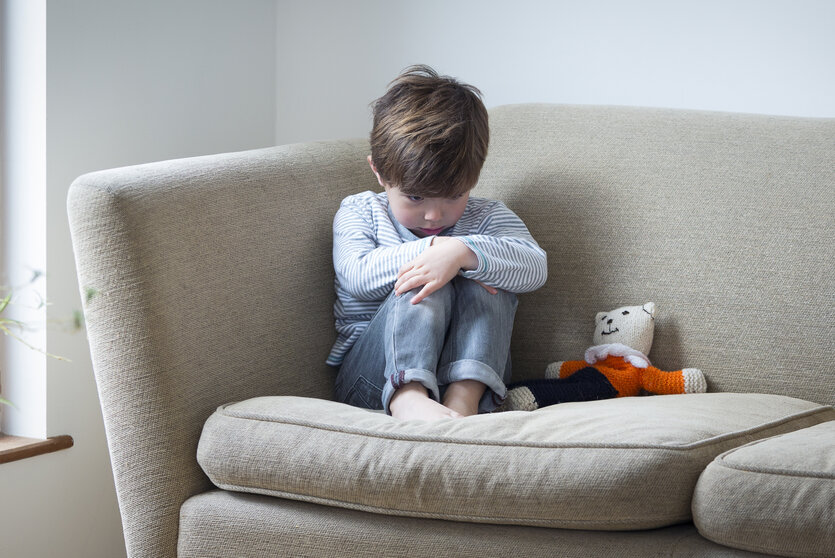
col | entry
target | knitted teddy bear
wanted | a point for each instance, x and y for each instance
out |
(616, 366)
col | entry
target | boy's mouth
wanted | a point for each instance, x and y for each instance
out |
(431, 231)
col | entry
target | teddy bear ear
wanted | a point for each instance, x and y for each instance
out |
(649, 308)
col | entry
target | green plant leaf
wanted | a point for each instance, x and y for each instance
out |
(89, 293)
(77, 320)
(6, 331)
(5, 302)
(6, 323)
(9, 321)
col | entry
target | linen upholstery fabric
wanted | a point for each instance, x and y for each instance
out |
(215, 282)
(214, 285)
(723, 220)
(775, 495)
(617, 464)
(220, 524)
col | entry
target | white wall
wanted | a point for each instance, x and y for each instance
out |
(763, 56)
(127, 82)
(23, 185)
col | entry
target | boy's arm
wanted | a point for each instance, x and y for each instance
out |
(436, 266)
(364, 269)
(508, 256)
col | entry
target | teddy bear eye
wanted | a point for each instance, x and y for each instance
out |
(625, 312)
(603, 319)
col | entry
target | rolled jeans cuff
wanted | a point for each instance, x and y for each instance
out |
(402, 377)
(467, 369)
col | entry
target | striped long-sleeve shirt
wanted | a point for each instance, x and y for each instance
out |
(370, 246)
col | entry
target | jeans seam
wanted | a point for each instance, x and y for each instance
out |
(361, 393)
(394, 338)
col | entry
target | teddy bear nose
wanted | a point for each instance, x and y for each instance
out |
(610, 321)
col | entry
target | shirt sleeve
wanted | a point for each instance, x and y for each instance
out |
(365, 269)
(508, 256)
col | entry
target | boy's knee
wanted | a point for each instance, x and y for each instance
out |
(443, 298)
(474, 290)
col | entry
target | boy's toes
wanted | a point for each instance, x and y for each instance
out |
(423, 409)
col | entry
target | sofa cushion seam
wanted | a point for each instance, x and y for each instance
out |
(591, 445)
(458, 517)
(721, 462)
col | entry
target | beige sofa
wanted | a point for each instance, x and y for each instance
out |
(212, 320)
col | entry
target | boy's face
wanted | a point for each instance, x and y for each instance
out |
(423, 216)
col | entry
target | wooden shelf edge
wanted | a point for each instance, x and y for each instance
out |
(13, 449)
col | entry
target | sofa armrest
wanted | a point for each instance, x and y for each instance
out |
(212, 282)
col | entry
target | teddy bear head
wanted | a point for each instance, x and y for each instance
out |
(630, 325)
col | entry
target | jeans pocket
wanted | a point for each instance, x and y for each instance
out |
(365, 394)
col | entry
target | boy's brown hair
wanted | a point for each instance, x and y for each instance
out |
(430, 134)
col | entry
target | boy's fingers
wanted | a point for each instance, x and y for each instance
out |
(427, 290)
(404, 269)
(404, 277)
(408, 284)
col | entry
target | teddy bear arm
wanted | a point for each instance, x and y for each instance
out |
(660, 382)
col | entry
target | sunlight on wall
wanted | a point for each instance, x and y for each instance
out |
(24, 213)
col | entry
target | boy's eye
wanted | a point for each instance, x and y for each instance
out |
(415, 198)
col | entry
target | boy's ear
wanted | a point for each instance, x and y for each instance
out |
(374, 169)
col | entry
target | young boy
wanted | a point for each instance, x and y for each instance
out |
(426, 276)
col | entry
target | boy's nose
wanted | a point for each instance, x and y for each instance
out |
(432, 214)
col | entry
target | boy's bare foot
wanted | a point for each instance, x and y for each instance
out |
(412, 402)
(463, 396)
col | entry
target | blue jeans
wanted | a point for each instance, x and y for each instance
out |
(459, 332)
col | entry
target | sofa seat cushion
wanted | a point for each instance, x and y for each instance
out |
(617, 464)
(775, 496)
(223, 524)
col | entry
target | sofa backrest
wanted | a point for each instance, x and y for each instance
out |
(214, 279)
(725, 221)
(213, 284)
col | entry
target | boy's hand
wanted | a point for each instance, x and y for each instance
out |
(435, 267)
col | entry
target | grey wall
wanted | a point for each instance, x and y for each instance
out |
(763, 56)
(126, 82)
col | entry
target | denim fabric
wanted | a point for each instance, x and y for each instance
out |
(459, 332)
